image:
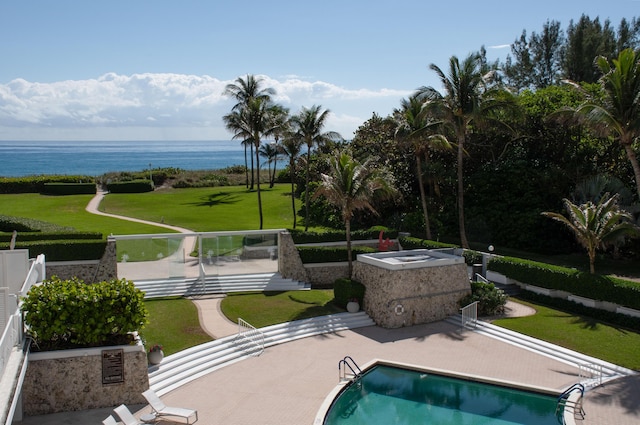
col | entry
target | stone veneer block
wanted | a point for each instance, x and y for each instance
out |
(417, 294)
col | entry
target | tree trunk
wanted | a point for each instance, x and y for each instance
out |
(306, 191)
(463, 233)
(258, 183)
(634, 164)
(423, 197)
(293, 191)
(246, 167)
(347, 225)
(252, 168)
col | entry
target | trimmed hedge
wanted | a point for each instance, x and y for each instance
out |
(320, 254)
(408, 242)
(62, 250)
(134, 186)
(35, 184)
(9, 224)
(603, 288)
(42, 236)
(69, 189)
(345, 290)
(302, 237)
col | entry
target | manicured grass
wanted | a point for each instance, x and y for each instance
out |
(207, 209)
(70, 211)
(579, 333)
(174, 324)
(270, 308)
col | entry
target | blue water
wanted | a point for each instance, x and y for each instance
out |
(96, 158)
(389, 395)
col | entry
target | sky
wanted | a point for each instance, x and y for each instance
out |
(156, 70)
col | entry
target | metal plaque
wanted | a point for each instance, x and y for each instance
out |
(112, 366)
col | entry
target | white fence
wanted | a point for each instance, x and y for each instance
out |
(249, 339)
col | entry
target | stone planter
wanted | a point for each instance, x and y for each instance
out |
(353, 307)
(155, 357)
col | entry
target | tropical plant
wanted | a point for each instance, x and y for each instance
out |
(307, 125)
(351, 186)
(468, 98)
(415, 129)
(617, 114)
(595, 225)
(251, 118)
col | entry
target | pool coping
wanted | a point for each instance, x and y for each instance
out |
(328, 401)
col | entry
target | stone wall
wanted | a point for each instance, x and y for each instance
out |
(90, 271)
(397, 298)
(289, 263)
(71, 380)
(323, 275)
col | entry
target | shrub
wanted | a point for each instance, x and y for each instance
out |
(134, 186)
(408, 242)
(320, 254)
(62, 314)
(345, 290)
(491, 300)
(35, 184)
(9, 224)
(62, 249)
(69, 189)
(302, 237)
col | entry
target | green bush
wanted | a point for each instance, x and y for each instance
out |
(320, 254)
(491, 300)
(9, 224)
(408, 242)
(134, 186)
(62, 250)
(302, 237)
(345, 290)
(35, 184)
(69, 189)
(597, 287)
(42, 236)
(62, 314)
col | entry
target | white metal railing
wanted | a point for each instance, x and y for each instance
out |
(13, 331)
(591, 371)
(470, 315)
(249, 339)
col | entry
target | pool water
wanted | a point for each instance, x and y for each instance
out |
(390, 395)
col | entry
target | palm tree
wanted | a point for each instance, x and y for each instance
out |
(308, 126)
(352, 186)
(595, 225)
(617, 114)
(292, 146)
(413, 127)
(243, 91)
(250, 118)
(467, 99)
(269, 151)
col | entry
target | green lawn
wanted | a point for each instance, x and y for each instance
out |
(164, 328)
(270, 308)
(582, 334)
(207, 209)
(69, 211)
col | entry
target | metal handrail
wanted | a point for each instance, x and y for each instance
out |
(342, 372)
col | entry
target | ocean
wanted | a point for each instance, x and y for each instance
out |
(24, 158)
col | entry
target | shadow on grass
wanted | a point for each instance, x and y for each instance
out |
(214, 199)
(318, 310)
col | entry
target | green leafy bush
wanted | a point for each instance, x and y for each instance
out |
(602, 288)
(62, 314)
(62, 249)
(35, 184)
(302, 237)
(408, 242)
(491, 300)
(345, 290)
(134, 186)
(21, 224)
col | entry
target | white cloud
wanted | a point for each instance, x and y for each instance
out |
(167, 102)
(500, 46)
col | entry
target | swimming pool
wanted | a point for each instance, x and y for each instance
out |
(395, 395)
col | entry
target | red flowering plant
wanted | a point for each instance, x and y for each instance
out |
(155, 347)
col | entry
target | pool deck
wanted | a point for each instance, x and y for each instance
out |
(288, 383)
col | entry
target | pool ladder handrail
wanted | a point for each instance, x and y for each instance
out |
(352, 365)
(564, 401)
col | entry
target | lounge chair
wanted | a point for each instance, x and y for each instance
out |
(162, 409)
(110, 420)
(126, 416)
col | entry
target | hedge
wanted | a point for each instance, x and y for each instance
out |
(41, 236)
(9, 224)
(35, 184)
(312, 254)
(135, 186)
(69, 189)
(302, 237)
(603, 288)
(62, 250)
(408, 242)
(344, 290)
